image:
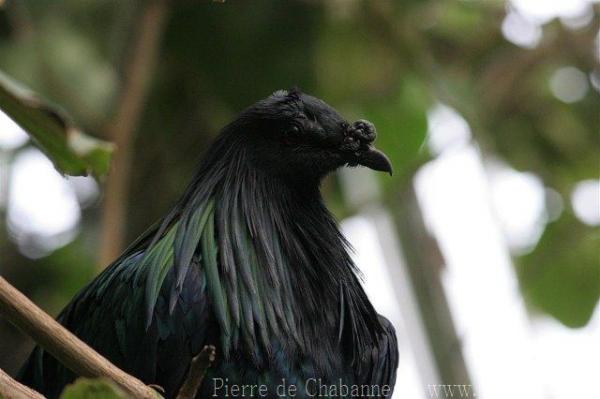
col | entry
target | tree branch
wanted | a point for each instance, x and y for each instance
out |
(11, 389)
(64, 346)
(200, 363)
(138, 71)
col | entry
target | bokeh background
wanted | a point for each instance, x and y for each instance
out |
(483, 248)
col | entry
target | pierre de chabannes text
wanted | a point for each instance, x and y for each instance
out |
(312, 387)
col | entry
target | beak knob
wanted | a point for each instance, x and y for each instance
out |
(358, 142)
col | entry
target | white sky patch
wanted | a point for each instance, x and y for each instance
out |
(43, 211)
(447, 128)
(468, 210)
(86, 189)
(525, 18)
(479, 280)
(543, 11)
(11, 134)
(585, 200)
(568, 358)
(569, 84)
(579, 21)
(509, 355)
(519, 203)
(521, 31)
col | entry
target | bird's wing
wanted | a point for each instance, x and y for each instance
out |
(381, 363)
(110, 315)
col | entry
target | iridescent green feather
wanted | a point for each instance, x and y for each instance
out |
(159, 259)
(211, 268)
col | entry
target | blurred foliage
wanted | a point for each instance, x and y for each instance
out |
(387, 61)
(85, 388)
(409, 109)
(72, 152)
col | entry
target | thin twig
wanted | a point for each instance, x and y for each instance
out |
(64, 346)
(11, 389)
(198, 367)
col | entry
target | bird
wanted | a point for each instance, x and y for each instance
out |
(248, 260)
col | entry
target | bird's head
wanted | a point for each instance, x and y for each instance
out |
(293, 133)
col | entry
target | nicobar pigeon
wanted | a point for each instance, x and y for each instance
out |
(248, 260)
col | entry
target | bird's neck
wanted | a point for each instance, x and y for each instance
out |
(284, 267)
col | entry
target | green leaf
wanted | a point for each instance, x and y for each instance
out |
(84, 388)
(71, 151)
(562, 275)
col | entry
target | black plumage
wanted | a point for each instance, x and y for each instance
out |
(249, 260)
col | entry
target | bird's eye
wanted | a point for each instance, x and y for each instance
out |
(291, 135)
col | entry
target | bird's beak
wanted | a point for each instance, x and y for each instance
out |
(375, 159)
